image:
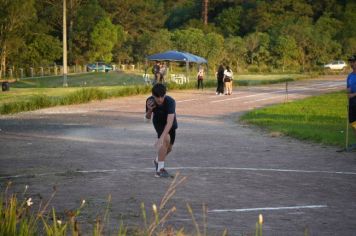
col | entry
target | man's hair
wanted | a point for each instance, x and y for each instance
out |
(159, 90)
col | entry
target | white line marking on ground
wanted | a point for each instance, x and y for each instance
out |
(95, 171)
(188, 100)
(267, 209)
(179, 168)
(264, 169)
(262, 99)
(327, 89)
(248, 96)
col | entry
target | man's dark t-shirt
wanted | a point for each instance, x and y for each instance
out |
(160, 113)
(220, 75)
(156, 69)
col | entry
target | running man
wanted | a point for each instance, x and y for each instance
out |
(351, 94)
(163, 109)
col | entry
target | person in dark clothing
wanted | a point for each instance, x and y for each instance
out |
(156, 72)
(351, 95)
(220, 79)
(162, 108)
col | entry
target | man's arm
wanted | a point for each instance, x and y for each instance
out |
(148, 114)
(150, 105)
(349, 94)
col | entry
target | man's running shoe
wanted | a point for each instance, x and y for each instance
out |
(162, 174)
(156, 165)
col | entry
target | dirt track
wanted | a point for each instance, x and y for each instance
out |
(90, 151)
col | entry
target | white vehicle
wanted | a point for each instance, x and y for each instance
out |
(336, 65)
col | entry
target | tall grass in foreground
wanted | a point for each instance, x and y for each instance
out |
(320, 119)
(19, 218)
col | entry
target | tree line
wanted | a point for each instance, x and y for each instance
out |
(247, 34)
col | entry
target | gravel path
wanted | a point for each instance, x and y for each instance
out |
(92, 150)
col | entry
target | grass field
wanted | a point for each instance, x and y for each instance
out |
(81, 80)
(25, 93)
(24, 90)
(320, 119)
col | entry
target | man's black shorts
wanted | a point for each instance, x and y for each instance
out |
(352, 113)
(172, 134)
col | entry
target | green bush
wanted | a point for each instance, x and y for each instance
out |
(253, 69)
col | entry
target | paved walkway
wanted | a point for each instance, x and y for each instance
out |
(92, 150)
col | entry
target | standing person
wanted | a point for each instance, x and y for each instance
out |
(200, 77)
(163, 72)
(228, 81)
(220, 80)
(156, 72)
(163, 109)
(351, 94)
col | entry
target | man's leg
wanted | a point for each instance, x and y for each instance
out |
(162, 154)
(353, 125)
(163, 151)
(352, 120)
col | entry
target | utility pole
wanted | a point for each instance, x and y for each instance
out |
(65, 68)
(204, 13)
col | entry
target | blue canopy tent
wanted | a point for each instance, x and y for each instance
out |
(178, 57)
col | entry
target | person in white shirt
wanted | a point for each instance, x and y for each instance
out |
(228, 81)
(200, 78)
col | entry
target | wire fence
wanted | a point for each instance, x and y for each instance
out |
(31, 72)
(57, 70)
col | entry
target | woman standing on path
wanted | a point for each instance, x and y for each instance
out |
(220, 79)
(200, 77)
(228, 81)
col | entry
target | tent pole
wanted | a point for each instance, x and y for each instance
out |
(207, 71)
(146, 66)
(187, 70)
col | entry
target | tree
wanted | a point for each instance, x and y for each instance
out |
(190, 40)
(194, 41)
(179, 15)
(328, 25)
(214, 48)
(256, 17)
(42, 49)
(347, 33)
(204, 11)
(136, 17)
(198, 24)
(15, 15)
(229, 21)
(325, 32)
(50, 12)
(235, 52)
(257, 45)
(286, 50)
(150, 43)
(86, 19)
(103, 39)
